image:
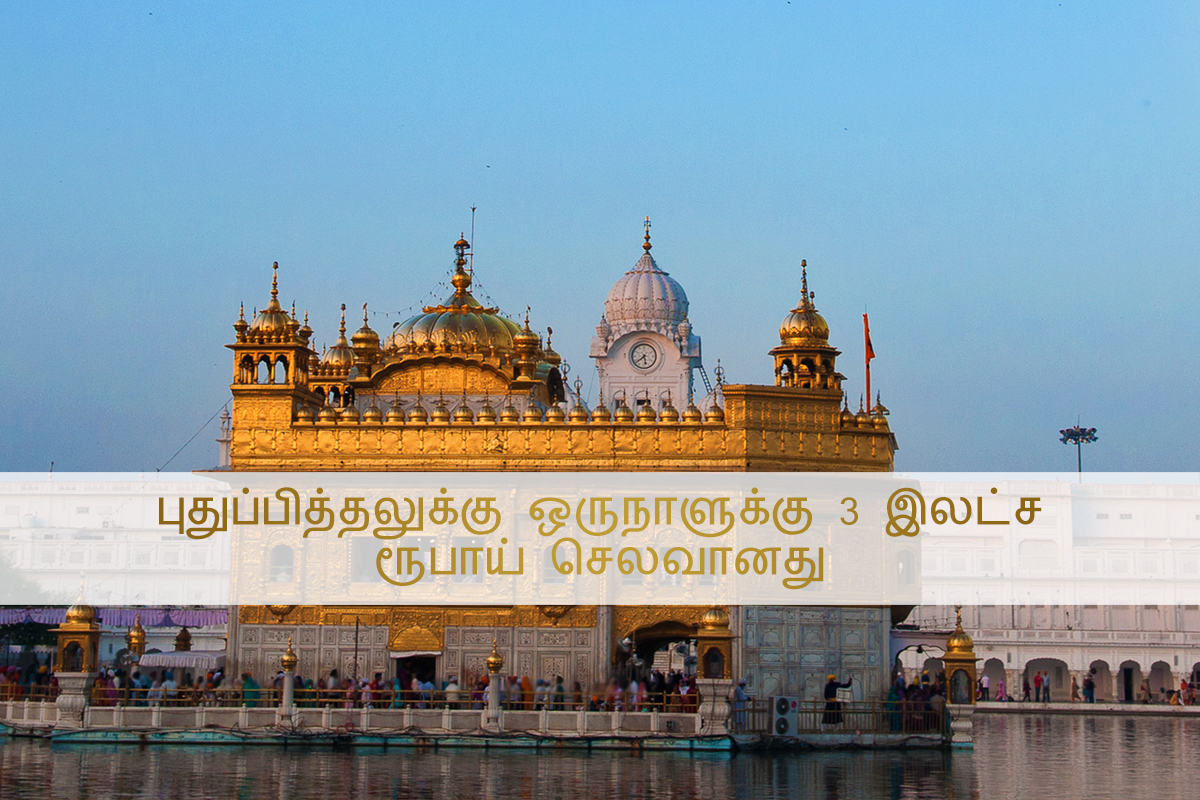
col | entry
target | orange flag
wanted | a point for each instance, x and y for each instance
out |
(870, 351)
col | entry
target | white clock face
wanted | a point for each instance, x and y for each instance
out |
(643, 356)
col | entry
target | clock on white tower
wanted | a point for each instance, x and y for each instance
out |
(643, 355)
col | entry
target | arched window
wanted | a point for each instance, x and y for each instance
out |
(264, 370)
(282, 564)
(246, 370)
(281, 370)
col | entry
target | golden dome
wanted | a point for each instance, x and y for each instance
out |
(960, 641)
(486, 412)
(395, 413)
(803, 325)
(373, 414)
(135, 639)
(716, 617)
(350, 414)
(341, 354)
(365, 338)
(692, 414)
(327, 414)
(305, 414)
(463, 415)
(510, 413)
(81, 613)
(601, 414)
(532, 414)
(418, 414)
(646, 413)
(555, 413)
(714, 414)
(183, 640)
(669, 412)
(579, 415)
(847, 416)
(440, 412)
(272, 319)
(624, 412)
(460, 323)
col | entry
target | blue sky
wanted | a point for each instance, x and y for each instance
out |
(1012, 193)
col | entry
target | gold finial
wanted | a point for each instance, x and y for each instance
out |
(720, 373)
(364, 315)
(527, 309)
(342, 329)
(495, 662)
(958, 618)
(289, 658)
(646, 246)
(293, 309)
(549, 333)
(306, 317)
(275, 280)
(861, 410)
(242, 312)
(805, 297)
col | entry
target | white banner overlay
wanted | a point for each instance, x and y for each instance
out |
(219, 539)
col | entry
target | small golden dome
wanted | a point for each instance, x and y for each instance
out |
(862, 417)
(462, 244)
(373, 414)
(959, 641)
(81, 614)
(645, 413)
(418, 414)
(555, 413)
(272, 319)
(579, 415)
(669, 413)
(510, 413)
(601, 415)
(305, 331)
(714, 414)
(395, 413)
(365, 338)
(305, 414)
(486, 412)
(341, 355)
(327, 414)
(135, 639)
(183, 640)
(803, 325)
(691, 414)
(847, 416)
(715, 618)
(350, 414)
(440, 412)
(463, 415)
(532, 414)
(624, 412)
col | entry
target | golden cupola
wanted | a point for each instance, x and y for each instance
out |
(804, 358)
(272, 319)
(341, 355)
(365, 343)
(803, 325)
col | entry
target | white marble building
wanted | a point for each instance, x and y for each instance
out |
(1128, 558)
(644, 346)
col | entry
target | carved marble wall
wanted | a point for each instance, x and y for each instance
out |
(790, 650)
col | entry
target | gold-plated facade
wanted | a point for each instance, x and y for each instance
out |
(78, 640)
(424, 398)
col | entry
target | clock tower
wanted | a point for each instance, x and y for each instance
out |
(644, 347)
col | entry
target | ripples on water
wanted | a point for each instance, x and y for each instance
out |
(1015, 756)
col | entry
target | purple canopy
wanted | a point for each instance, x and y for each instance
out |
(159, 617)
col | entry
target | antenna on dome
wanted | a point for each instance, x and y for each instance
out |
(471, 263)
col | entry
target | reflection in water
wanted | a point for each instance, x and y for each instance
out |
(1022, 756)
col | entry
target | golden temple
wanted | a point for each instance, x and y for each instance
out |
(459, 387)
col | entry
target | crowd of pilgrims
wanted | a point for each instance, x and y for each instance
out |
(669, 692)
(916, 706)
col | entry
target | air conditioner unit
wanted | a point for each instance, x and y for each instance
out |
(785, 715)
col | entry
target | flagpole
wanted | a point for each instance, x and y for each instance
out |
(867, 357)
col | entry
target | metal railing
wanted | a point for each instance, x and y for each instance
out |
(386, 698)
(36, 693)
(818, 716)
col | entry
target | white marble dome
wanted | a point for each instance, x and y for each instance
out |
(645, 298)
